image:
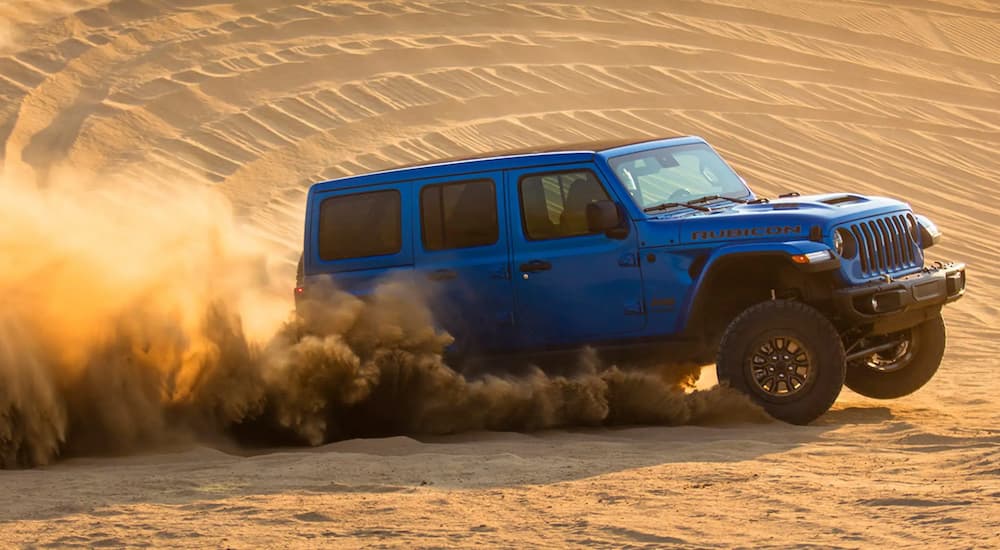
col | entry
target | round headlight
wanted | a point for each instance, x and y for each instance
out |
(844, 243)
(930, 235)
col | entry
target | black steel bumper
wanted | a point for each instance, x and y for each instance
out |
(900, 303)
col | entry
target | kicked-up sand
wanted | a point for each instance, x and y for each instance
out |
(175, 103)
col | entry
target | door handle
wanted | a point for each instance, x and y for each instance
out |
(535, 266)
(442, 275)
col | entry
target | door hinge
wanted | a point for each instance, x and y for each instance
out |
(628, 260)
(634, 308)
(502, 272)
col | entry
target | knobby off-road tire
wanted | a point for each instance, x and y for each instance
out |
(786, 356)
(902, 371)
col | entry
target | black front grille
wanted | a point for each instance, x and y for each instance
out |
(886, 245)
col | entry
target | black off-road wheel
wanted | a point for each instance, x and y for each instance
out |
(787, 357)
(903, 368)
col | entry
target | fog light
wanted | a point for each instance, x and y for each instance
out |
(887, 301)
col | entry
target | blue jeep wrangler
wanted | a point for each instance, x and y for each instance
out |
(654, 250)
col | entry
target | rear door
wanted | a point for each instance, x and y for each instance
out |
(462, 251)
(358, 236)
(571, 286)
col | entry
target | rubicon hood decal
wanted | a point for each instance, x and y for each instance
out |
(746, 232)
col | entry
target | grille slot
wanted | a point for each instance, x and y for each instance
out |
(885, 245)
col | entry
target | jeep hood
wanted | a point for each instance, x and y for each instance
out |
(790, 218)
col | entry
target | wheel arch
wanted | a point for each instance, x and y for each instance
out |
(755, 264)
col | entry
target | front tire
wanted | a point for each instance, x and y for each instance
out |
(787, 357)
(904, 369)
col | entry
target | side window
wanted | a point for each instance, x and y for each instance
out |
(555, 205)
(359, 226)
(459, 215)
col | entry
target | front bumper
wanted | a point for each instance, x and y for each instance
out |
(898, 304)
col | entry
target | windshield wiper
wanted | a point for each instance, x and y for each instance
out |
(715, 198)
(694, 204)
(665, 205)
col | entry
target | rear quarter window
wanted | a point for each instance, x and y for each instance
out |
(360, 226)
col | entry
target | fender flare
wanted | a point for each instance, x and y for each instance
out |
(783, 250)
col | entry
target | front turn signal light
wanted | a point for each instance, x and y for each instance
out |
(813, 257)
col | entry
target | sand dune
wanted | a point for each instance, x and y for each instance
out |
(260, 98)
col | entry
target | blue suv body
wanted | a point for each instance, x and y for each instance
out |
(655, 249)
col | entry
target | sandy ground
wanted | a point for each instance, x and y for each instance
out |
(259, 98)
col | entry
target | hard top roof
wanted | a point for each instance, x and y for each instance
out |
(497, 160)
(578, 147)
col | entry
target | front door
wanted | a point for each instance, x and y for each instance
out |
(571, 286)
(463, 254)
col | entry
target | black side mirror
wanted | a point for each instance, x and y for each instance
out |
(607, 217)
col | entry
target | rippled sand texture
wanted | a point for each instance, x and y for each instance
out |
(258, 98)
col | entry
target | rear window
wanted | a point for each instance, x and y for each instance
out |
(459, 215)
(359, 226)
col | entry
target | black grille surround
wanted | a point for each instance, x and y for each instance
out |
(886, 244)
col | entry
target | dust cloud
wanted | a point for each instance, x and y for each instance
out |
(132, 318)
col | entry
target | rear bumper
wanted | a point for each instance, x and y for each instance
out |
(901, 303)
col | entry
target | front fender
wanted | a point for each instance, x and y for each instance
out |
(784, 250)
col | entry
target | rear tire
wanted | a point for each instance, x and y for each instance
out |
(903, 370)
(786, 356)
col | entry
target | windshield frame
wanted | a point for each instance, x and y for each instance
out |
(719, 164)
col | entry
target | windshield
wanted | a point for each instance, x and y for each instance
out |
(676, 175)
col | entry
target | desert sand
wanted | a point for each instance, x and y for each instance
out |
(256, 99)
